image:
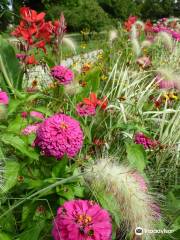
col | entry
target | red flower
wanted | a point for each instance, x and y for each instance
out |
(128, 24)
(31, 60)
(60, 26)
(41, 44)
(94, 101)
(31, 15)
(103, 103)
(148, 26)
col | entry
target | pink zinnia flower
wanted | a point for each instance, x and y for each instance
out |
(140, 180)
(140, 138)
(62, 74)
(59, 135)
(82, 220)
(144, 62)
(36, 114)
(83, 109)
(30, 129)
(4, 98)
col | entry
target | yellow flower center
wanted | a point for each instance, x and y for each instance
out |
(63, 125)
(84, 219)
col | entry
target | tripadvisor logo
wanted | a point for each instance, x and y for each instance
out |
(139, 231)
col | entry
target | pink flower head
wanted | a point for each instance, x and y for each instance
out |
(144, 62)
(4, 98)
(140, 138)
(82, 220)
(83, 109)
(59, 135)
(165, 83)
(36, 114)
(24, 114)
(62, 74)
(20, 56)
(140, 180)
(30, 129)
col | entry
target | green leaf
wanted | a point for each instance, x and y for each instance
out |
(59, 169)
(136, 156)
(20, 145)
(13, 105)
(108, 202)
(4, 236)
(33, 232)
(11, 173)
(9, 65)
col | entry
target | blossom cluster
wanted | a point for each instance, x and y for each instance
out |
(89, 105)
(82, 220)
(62, 74)
(35, 31)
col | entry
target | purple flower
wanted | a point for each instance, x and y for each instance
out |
(21, 56)
(4, 98)
(62, 74)
(83, 109)
(82, 220)
(140, 138)
(59, 135)
(30, 129)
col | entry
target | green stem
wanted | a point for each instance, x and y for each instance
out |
(2, 67)
(40, 192)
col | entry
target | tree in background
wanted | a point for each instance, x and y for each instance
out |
(79, 14)
(120, 8)
(95, 14)
(155, 9)
(5, 15)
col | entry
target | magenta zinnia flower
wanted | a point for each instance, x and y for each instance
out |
(83, 109)
(59, 135)
(140, 138)
(82, 220)
(62, 74)
(4, 98)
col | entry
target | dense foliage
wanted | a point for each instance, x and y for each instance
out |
(99, 14)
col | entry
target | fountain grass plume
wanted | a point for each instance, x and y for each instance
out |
(70, 43)
(166, 39)
(113, 35)
(136, 47)
(129, 189)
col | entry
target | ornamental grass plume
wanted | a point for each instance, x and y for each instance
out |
(128, 187)
(167, 79)
(82, 220)
(113, 35)
(58, 136)
(166, 39)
